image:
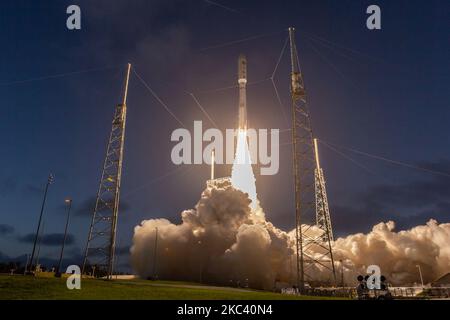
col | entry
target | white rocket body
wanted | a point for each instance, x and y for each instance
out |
(242, 80)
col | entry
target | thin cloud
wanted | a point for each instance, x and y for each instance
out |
(86, 208)
(52, 239)
(6, 229)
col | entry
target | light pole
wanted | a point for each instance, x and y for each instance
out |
(49, 182)
(420, 273)
(202, 262)
(39, 246)
(26, 265)
(58, 270)
(116, 261)
(155, 255)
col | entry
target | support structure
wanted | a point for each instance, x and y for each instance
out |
(323, 219)
(37, 236)
(100, 248)
(313, 243)
(69, 206)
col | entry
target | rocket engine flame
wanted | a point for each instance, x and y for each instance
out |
(242, 176)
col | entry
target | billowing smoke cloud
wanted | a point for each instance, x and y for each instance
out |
(222, 241)
(398, 253)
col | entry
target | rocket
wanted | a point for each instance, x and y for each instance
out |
(242, 81)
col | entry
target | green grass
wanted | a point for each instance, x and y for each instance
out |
(49, 288)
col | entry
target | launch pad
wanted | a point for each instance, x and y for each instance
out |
(309, 181)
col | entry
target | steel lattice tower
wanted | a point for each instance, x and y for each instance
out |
(101, 243)
(323, 219)
(314, 252)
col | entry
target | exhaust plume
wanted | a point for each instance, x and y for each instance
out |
(242, 176)
(222, 241)
(398, 253)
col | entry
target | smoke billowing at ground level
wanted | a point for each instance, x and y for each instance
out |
(223, 242)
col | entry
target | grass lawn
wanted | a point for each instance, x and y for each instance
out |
(48, 288)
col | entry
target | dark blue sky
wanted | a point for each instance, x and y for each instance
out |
(384, 92)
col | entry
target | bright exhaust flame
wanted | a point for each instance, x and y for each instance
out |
(242, 176)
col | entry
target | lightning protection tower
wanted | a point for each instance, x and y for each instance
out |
(101, 243)
(323, 219)
(313, 242)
